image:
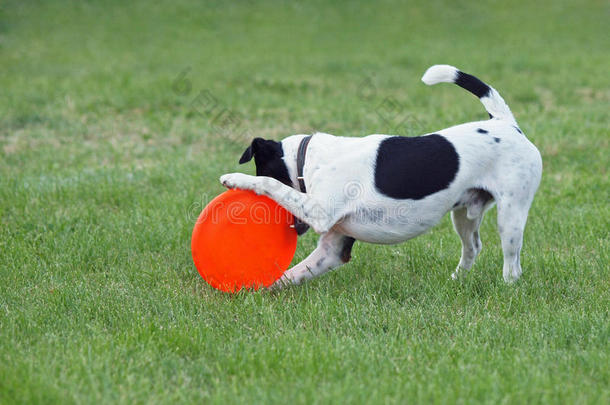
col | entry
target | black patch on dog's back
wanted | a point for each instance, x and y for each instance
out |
(415, 167)
(482, 131)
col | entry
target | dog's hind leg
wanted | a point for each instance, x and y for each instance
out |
(468, 230)
(333, 250)
(467, 219)
(512, 215)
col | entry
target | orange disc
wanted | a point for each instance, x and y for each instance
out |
(243, 240)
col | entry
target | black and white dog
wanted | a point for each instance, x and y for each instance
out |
(388, 189)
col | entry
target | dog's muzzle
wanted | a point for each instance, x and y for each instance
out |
(300, 226)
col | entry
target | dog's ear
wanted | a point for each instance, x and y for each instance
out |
(251, 150)
(247, 156)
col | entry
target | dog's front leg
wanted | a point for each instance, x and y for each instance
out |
(333, 250)
(303, 206)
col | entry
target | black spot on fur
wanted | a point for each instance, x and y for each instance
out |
(346, 250)
(482, 131)
(497, 139)
(415, 167)
(268, 156)
(517, 128)
(490, 116)
(472, 84)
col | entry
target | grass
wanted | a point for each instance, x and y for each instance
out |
(112, 139)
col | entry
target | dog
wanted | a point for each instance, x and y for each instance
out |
(387, 189)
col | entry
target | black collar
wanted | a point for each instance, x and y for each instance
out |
(301, 162)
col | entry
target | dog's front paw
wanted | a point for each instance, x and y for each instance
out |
(281, 283)
(237, 180)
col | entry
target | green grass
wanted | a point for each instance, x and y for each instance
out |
(107, 154)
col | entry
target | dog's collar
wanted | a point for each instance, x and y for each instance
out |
(301, 162)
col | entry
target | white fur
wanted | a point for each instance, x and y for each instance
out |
(439, 74)
(342, 200)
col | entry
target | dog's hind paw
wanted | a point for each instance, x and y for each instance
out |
(459, 273)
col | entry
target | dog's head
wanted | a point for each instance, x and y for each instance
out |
(271, 161)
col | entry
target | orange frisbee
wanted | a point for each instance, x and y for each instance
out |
(243, 240)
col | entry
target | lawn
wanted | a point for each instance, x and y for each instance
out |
(117, 118)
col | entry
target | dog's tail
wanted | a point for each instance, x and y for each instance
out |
(492, 101)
